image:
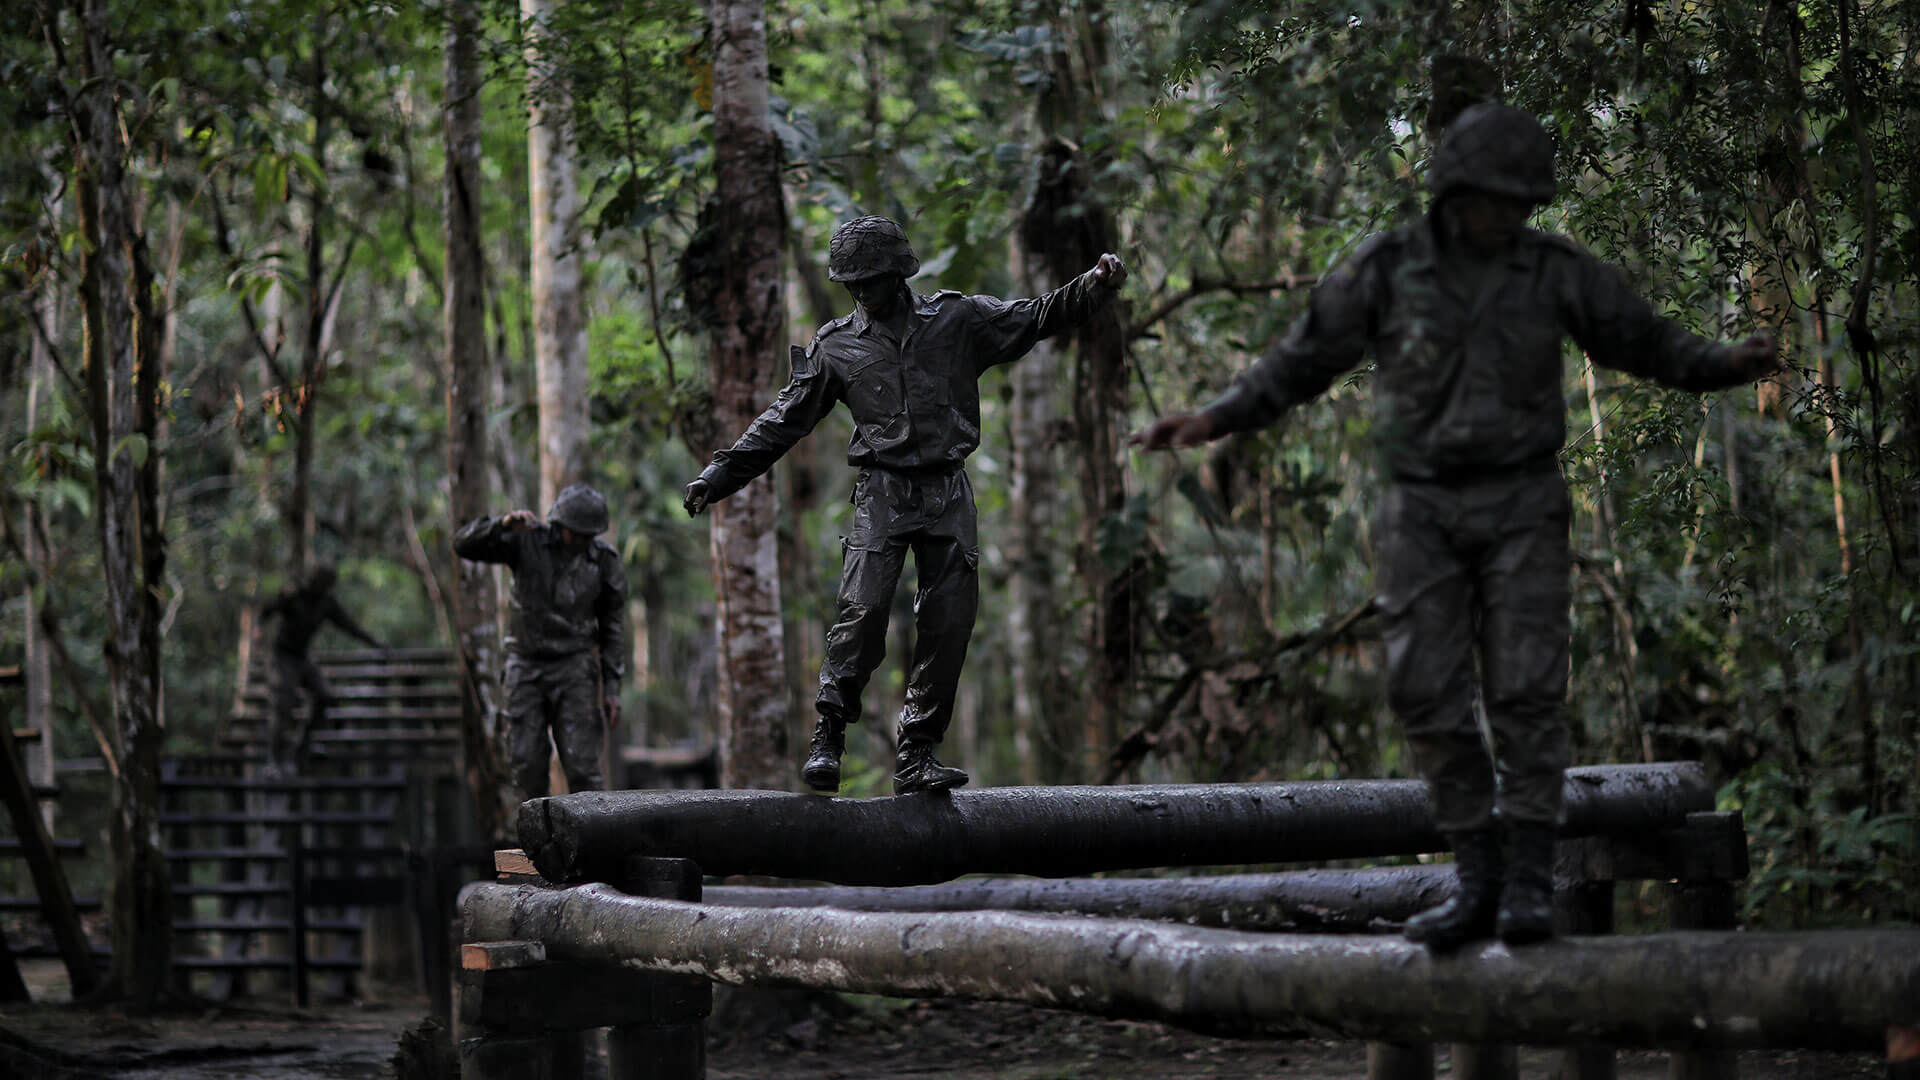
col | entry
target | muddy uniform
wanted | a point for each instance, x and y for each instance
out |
(566, 645)
(302, 612)
(915, 402)
(1471, 548)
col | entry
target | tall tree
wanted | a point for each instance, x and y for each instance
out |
(123, 378)
(559, 320)
(469, 404)
(741, 234)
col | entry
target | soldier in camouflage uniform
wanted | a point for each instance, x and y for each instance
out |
(1465, 312)
(566, 636)
(908, 366)
(302, 612)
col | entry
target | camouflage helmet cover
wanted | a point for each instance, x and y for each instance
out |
(1497, 149)
(870, 247)
(581, 509)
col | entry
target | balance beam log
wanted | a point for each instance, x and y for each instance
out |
(1048, 831)
(1837, 990)
(1303, 901)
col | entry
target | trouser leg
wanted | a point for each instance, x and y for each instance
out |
(285, 681)
(1426, 603)
(944, 608)
(857, 640)
(526, 728)
(1524, 642)
(319, 696)
(579, 729)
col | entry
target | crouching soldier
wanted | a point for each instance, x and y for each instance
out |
(566, 634)
(1465, 312)
(908, 366)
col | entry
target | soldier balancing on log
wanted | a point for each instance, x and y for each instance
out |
(908, 367)
(566, 636)
(1465, 312)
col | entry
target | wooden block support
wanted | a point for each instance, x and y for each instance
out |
(666, 1045)
(511, 866)
(1399, 1061)
(501, 955)
(1702, 905)
(1583, 908)
(1485, 1061)
(559, 996)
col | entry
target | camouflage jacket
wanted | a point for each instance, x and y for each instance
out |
(564, 602)
(915, 402)
(1468, 358)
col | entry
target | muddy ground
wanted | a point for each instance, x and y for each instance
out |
(857, 1039)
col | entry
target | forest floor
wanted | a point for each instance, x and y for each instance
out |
(863, 1039)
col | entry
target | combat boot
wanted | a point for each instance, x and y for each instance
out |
(1470, 912)
(1526, 905)
(915, 769)
(822, 770)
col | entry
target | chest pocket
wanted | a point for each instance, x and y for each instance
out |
(877, 401)
(930, 377)
(1419, 351)
(1529, 337)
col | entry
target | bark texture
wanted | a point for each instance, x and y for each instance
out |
(123, 379)
(1305, 901)
(747, 222)
(469, 402)
(1048, 832)
(559, 314)
(1831, 990)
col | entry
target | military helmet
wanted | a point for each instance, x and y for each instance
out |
(870, 247)
(581, 509)
(1497, 149)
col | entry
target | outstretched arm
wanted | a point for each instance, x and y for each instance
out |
(492, 539)
(1619, 329)
(1009, 329)
(339, 617)
(799, 409)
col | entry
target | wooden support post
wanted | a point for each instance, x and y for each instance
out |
(1582, 908)
(670, 1043)
(1485, 1061)
(1712, 853)
(1399, 1061)
(49, 879)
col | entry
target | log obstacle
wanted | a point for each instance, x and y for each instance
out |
(1049, 832)
(1837, 990)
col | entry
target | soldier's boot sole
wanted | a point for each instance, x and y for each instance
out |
(930, 778)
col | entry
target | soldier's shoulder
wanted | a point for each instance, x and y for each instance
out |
(605, 551)
(828, 329)
(1553, 243)
(1377, 252)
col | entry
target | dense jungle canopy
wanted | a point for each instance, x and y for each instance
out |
(230, 278)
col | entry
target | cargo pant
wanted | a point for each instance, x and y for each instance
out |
(931, 514)
(1474, 595)
(561, 695)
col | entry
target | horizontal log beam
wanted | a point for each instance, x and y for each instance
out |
(1304, 901)
(1048, 831)
(1821, 990)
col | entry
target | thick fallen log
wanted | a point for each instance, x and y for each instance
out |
(1048, 831)
(1303, 901)
(1822, 990)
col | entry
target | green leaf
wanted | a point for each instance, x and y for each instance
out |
(135, 444)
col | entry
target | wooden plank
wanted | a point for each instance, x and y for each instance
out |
(501, 955)
(49, 879)
(512, 865)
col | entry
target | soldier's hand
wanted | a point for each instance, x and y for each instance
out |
(1756, 357)
(520, 519)
(696, 500)
(1108, 270)
(610, 708)
(1174, 432)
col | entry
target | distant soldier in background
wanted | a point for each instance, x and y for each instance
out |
(302, 611)
(1465, 312)
(566, 635)
(908, 366)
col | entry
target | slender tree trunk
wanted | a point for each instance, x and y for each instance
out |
(123, 378)
(306, 388)
(38, 658)
(560, 325)
(469, 401)
(748, 327)
(1034, 482)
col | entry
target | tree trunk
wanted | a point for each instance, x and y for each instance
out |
(1041, 746)
(748, 324)
(1050, 832)
(469, 402)
(38, 658)
(1837, 990)
(560, 325)
(123, 379)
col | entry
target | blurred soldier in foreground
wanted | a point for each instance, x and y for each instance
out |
(566, 636)
(908, 366)
(302, 611)
(1465, 312)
